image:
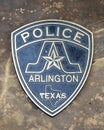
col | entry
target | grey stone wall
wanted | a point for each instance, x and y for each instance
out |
(17, 112)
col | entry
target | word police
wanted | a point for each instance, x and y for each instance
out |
(39, 33)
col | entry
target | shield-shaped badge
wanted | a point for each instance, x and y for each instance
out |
(52, 59)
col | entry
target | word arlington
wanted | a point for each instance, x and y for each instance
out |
(53, 78)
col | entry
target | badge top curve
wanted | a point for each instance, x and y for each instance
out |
(52, 59)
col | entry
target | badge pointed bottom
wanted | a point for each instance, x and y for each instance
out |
(50, 63)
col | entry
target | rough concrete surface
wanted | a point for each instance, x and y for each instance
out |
(17, 112)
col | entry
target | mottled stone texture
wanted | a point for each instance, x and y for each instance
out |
(17, 112)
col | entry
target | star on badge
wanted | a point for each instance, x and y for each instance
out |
(53, 59)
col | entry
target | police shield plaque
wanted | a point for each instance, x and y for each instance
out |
(52, 59)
